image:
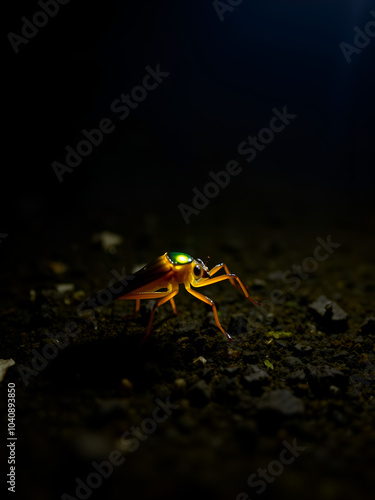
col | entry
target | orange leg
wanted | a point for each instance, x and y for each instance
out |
(137, 296)
(173, 306)
(137, 307)
(217, 268)
(211, 281)
(209, 301)
(157, 304)
(162, 296)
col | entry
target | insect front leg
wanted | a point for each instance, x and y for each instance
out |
(217, 268)
(209, 301)
(211, 281)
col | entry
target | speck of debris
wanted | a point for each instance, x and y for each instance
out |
(278, 335)
(4, 365)
(64, 287)
(179, 385)
(334, 389)
(126, 387)
(79, 295)
(57, 267)
(108, 240)
(200, 360)
(232, 354)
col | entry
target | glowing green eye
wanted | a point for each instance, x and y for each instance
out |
(179, 258)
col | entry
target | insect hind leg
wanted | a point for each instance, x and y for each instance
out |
(157, 304)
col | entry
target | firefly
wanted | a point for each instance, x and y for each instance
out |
(160, 280)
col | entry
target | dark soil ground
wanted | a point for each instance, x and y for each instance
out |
(299, 376)
(287, 409)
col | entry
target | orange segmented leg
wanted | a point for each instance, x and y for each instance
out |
(137, 296)
(209, 301)
(157, 304)
(137, 307)
(217, 268)
(211, 281)
(173, 306)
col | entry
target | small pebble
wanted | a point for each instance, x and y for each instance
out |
(329, 313)
(65, 287)
(281, 401)
(200, 361)
(4, 365)
(108, 240)
(179, 384)
(58, 267)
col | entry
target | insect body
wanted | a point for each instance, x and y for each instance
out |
(160, 280)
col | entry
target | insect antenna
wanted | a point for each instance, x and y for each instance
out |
(207, 260)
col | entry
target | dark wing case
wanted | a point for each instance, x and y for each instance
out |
(153, 271)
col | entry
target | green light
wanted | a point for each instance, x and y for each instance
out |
(179, 258)
(182, 259)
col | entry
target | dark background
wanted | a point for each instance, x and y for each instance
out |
(225, 79)
(315, 178)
